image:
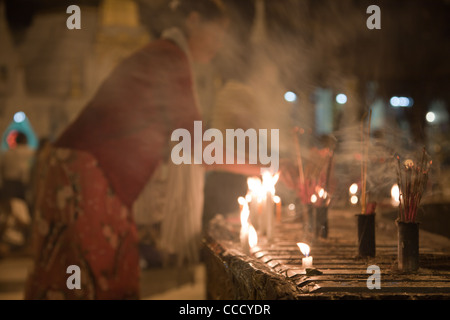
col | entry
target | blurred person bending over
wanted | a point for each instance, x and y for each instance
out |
(109, 156)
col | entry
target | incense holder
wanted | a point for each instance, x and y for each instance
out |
(321, 222)
(366, 235)
(309, 219)
(408, 246)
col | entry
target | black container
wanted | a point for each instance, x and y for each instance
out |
(309, 221)
(321, 222)
(408, 246)
(366, 235)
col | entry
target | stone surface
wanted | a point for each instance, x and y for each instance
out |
(274, 271)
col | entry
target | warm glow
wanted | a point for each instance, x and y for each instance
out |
(291, 206)
(248, 198)
(245, 214)
(304, 248)
(256, 188)
(252, 237)
(276, 199)
(395, 195)
(254, 184)
(321, 193)
(353, 188)
(313, 198)
(269, 181)
(242, 201)
(354, 199)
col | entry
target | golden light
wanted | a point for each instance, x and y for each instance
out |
(248, 198)
(395, 195)
(354, 199)
(252, 237)
(276, 199)
(313, 198)
(304, 248)
(242, 201)
(353, 188)
(254, 184)
(269, 181)
(321, 193)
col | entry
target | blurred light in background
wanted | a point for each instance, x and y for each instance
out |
(341, 98)
(19, 117)
(353, 188)
(290, 96)
(430, 117)
(354, 199)
(401, 102)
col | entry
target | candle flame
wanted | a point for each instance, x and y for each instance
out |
(269, 181)
(248, 197)
(395, 195)
(241, 201)
(254, 184)
(276, 199)
(304, 248)
(321, 193)
(252, 237)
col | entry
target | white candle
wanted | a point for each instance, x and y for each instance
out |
(254, 198)
(277, 200)
(252, 237)
(269, 182)
(307, 261)
(245, 213)
(244, 241)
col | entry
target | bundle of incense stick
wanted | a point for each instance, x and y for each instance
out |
(365, 141)
(316, 175)
(412, 181)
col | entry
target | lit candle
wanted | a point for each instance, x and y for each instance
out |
(253, 198)
(277, 201)
(241, 201)
(307, 261)
(252, 237)
(245, 213)
(269, 181)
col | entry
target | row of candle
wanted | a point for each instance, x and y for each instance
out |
(263, 202)
(258, 207)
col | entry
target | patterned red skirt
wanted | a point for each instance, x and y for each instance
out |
(80, 221)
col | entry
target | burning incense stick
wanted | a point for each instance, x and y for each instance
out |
(299, 157)
(412, 180)
(364, 161)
